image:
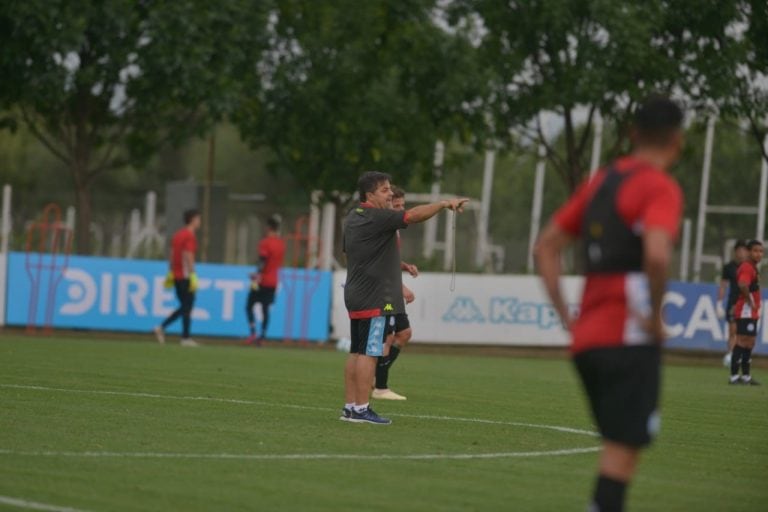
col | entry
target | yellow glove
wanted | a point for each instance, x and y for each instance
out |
(255, 278)
(193, 282)
(169, 280)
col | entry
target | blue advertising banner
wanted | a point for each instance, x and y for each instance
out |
(690, 313)
(128, 295)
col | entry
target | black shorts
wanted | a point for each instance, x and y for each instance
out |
(263, 295)
(401, 322)
(368, 335)
(746, 327)
(622, 384)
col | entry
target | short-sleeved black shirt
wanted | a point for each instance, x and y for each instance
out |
(729, 274)
(374, 284)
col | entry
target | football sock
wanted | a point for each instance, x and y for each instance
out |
(252, 328)
(349, 406)
(609, 495)
(382, 372)
(746, 362)
(735, 359)
(394, 351)
(361, 408)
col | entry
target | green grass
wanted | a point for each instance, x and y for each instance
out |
(712, 453)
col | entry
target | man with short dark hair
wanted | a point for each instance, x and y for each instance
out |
(747, 314)
(628, 215)
(182, 277)
(373, 292)
(264, 281)
(401, 329)
(728, 279)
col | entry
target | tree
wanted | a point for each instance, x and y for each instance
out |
(584, 56)
(106, 84)
(744, 74)
(351, 86)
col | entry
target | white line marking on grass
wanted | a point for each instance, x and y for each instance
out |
(557, 428)
(33, 505)
(303, 456)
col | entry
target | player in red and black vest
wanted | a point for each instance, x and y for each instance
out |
(747, 314)
(728, 280)
(628, 215)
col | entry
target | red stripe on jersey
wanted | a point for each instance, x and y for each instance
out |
(367, 313)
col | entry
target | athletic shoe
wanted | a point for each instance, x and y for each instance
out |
(727, 360)
(386, 394)
(368, 416)
(346, 414)
(750, 382)
(189, 342)
(253, 340)
(735, 381)
(160, 334)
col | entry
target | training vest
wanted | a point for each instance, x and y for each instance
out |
(610, 246)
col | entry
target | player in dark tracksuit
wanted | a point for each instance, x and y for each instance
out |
(373, 291)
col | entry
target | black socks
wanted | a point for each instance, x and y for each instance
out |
(609, 495)
(736, 356)
(383, 366)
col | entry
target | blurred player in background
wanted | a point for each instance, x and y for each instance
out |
(728, 279)
(628, 216)
(264, 281)
(747, 314)
(373, 291)
(402, 326)
(182, 277)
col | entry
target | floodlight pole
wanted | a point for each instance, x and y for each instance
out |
(538, 193)
(5, 225)
(314, 228)
(597, 144)
(703, 193)
(763, 192)
(481, 251)
(430, 227)
(685, 254)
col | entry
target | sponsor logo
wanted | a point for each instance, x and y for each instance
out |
(389, 307)
(464, 310)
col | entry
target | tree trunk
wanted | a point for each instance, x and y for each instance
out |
(572, 155)
(83, 208)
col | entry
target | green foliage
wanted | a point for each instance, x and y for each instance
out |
(105, 84)
(354, 86)
(591, 55)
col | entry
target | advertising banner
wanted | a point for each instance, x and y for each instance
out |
(128, 295)
(514, 310)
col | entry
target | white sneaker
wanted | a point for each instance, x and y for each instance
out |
(386, 394)
(160, 334)
(727, 360)
(189, 342)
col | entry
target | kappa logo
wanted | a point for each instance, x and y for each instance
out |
(389, 307)
(465, 311)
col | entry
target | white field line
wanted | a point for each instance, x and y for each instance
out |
(34, 505)
(294, 406)
(301, 456)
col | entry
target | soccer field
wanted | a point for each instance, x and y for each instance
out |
(112, 426)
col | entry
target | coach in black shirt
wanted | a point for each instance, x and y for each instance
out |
(373, 292)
